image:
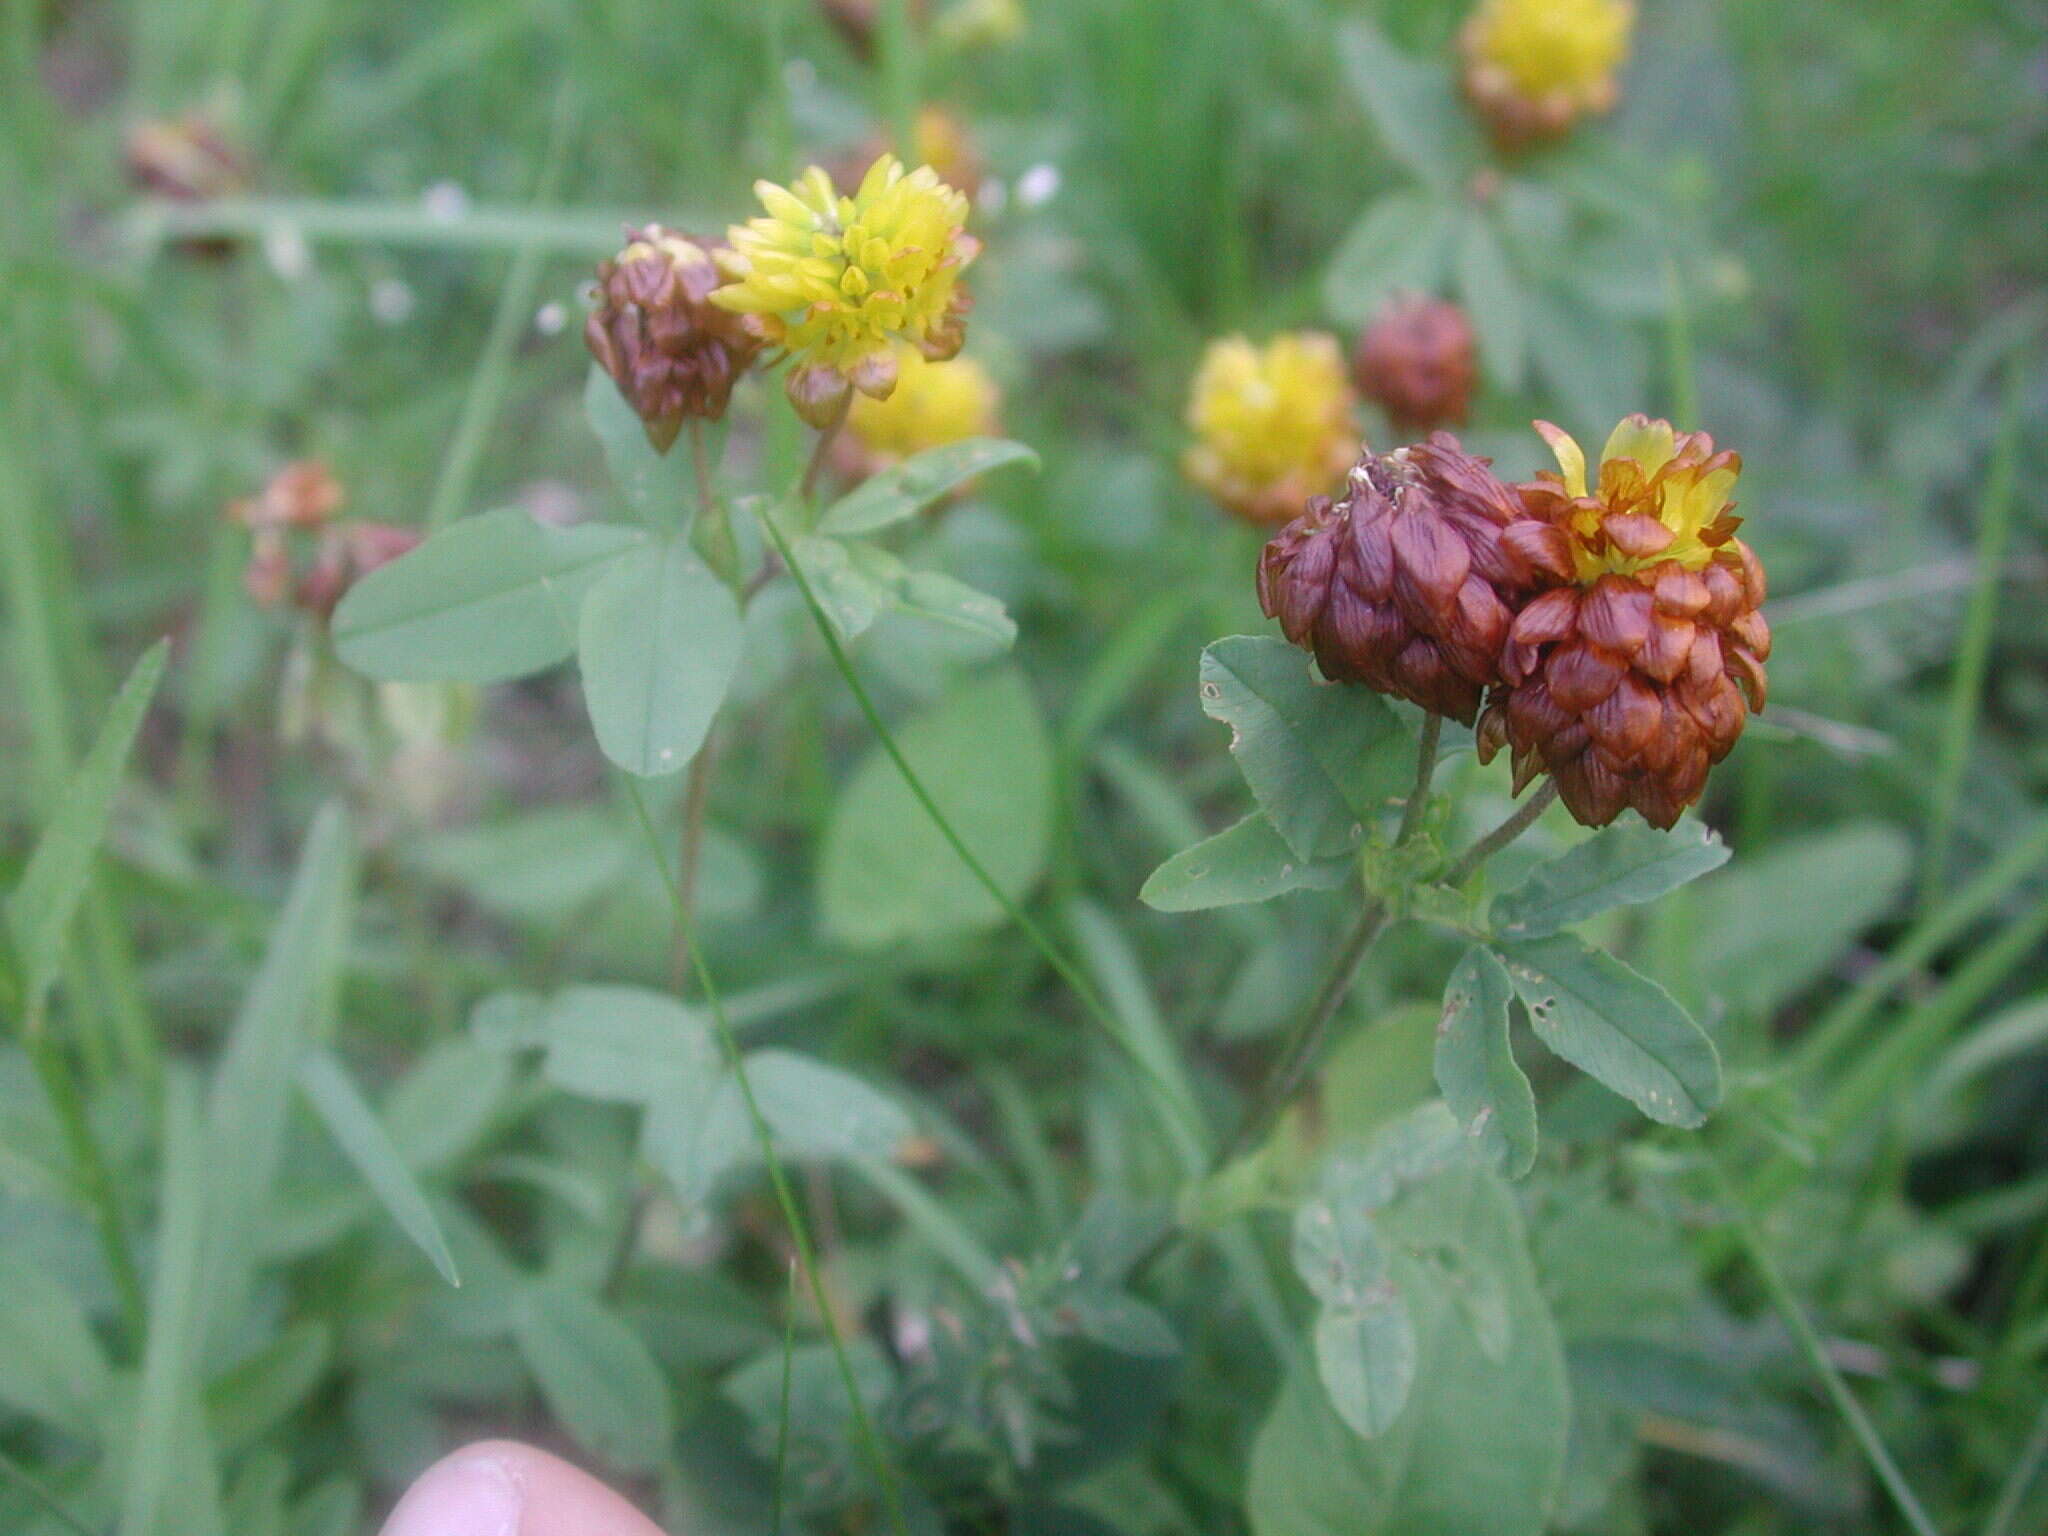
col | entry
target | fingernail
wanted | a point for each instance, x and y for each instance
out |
(465, 1496)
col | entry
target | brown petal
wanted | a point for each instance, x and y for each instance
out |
(1636, 534)
(1664, 652)
(1541, 546)
(1552, 616)
(1581, 675)
(1681, 593)
(1624, 722)
(1726, 597)
(1751, 672)
(1430, 565)
(1751, 629)
(1615, 615)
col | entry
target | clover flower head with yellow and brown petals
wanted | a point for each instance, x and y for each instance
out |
(1636, 668)
(1534, 67)
(1272, 425)
(838, 282)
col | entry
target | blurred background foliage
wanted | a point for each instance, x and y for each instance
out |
(1814, 230)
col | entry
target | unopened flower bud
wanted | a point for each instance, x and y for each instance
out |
(673, 354)
(1417, 361)
(304, 494)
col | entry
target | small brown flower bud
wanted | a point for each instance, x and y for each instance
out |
(1407, 584)
(673, 354)
(1635, 672)
(1417, 360)
(856, 20)
(187, 159)
(304, 494)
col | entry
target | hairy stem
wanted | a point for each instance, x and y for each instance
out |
(1523, 819)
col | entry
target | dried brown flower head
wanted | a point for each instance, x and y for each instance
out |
(304, 494)
(1635, 672)
(1417, 360)
(856, 20)
(1407, 584)
(673, 353)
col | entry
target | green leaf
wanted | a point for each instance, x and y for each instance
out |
(251, 1086)
(1117, 1320)
(40, 910)
(493, 597)
(1764, 930)
(1412, 103)
(659, 642)
(1247, 862)
(628, 1044)
(857, 583)
(816, 1113)
(1479, 1448)
(158, 1469)
(1321, 759)
(661, 487)
(1399, 244)
(51, 1367)
(1476, 1067)
(1622, 866)
(597, 1377)
(1487, 285)
(1619, 1027)
(366, 1144)
(886, 873)
(248, 1401)
(1366, 1359)
(906, 489)
(446, 1102)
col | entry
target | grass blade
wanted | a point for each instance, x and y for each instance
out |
(363, 1140)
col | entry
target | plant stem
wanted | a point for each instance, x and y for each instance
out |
(1305, 1043)
(1502, 835)
(1810, 1345)
(2020, 1479)
(1165, 1101)
(690, 847)
(820, 451)
(48, 1502)
(900, 66)
(1973, 650)
(785, 1197)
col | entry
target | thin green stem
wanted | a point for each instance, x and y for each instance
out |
(318, 221)
(1685, 393)
(487, 383)
(1973, 651)
(41, 1497)
(785, 1197)
(782, 1424)
(2020, 1479)
(1502, 835)
(1285, 1076)
(1811, 1346)
(1165, 1101)
(821, 450)
(899, 50)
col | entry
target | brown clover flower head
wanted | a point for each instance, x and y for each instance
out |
(1635, 671)
(673, 353)
(1417, 360)
(1409, 583)
(856, 21)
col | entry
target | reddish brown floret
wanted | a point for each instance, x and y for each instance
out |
(1417, 360)
(1408, 584)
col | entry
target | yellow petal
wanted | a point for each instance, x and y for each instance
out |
(1650, 443)
(1571, 458)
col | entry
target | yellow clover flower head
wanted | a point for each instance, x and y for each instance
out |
(839, 282)
(1658, 496)
(933, 404)
(1534, 67)
(1272, 424)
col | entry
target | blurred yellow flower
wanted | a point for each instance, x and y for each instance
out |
(1533, 67)
(840, 281)
(1272, 425)
(933, 404)
(981, 23)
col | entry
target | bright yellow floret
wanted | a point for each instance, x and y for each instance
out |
(1647, 470)
(1272, 424)
(839, 281)
(934, 404)
(1532, 67)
